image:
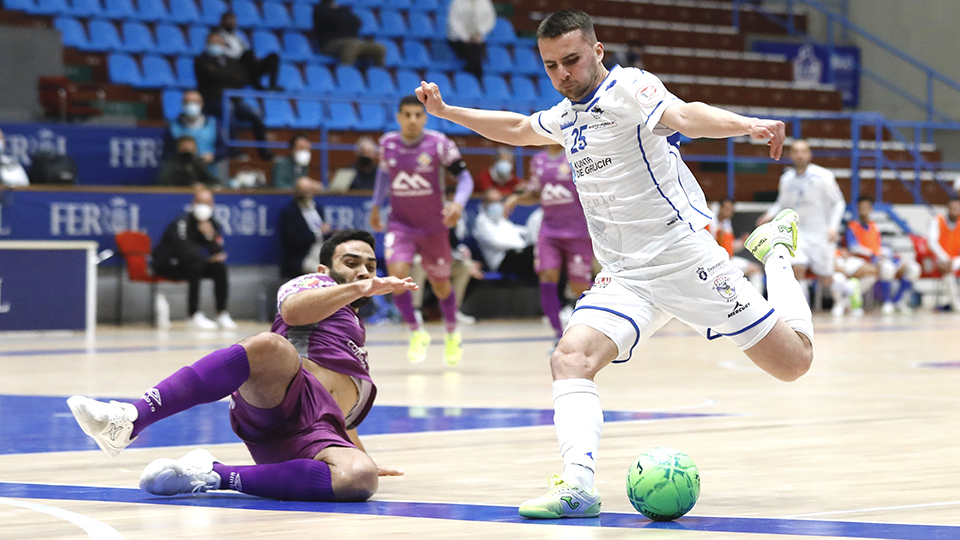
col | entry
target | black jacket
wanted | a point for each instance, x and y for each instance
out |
(296, 238)
(179, 171)
(334, 23)
(215, 74)
(183, 244)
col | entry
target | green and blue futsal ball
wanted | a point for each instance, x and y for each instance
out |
(663, 484)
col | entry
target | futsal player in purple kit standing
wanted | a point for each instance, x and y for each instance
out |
(412, 171)
(296, 393)
(564, 241)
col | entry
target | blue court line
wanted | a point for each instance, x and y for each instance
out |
(940, 365)
(489, 513)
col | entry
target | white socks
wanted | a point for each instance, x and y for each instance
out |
(578, 418)
(785, 293)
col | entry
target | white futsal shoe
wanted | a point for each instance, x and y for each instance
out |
(225, 322)
(110, 424)
(781, 230)
(193, 473)
(200, 321)
(563, 501)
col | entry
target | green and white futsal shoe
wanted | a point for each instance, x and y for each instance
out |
(781, 230)
(419, 341)
(452, 348)
(563, 501)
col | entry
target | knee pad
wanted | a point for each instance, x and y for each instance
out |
(887, 270)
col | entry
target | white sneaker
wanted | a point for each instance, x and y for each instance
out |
(463, 318)
(110, 424)
(887, 308)
(201, 322)
(225, 322)
(837, 309)
(193, 473)
(563, 500)
(857, 312)
(565, 313)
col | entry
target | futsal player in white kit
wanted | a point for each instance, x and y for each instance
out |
(646, 215)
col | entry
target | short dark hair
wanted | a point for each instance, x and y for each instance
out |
(412, 99)
(227, 14)
(346, 235)
(560, 22)
(864, 198)
(296, 137)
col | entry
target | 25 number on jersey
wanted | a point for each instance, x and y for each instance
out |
(579, 138)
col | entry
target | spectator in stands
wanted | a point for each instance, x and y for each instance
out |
(237, 47)
(287, 170)
(194, 123)
(366, 164)
(216, 72)
(631, 57)
(944, 241)
(186, 168)
(506, 247)
(301, 230)
(191, 249)
(11, 171)
(500, 179)
(337, 28)
(468, 24)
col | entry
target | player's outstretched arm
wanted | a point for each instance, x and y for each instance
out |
(697, 120)
(500, 126)
(314, 305)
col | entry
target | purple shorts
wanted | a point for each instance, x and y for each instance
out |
(434, 249)
(576, 254)
(307, 421)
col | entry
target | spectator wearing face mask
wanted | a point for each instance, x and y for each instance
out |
(506, 247)
(192, 249)
(287, 170)
(237, 47)
(366, 164)
(186, 168)
(499, 178)
(11, 171)
(192, 122)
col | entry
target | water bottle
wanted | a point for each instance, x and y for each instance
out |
(163, 311)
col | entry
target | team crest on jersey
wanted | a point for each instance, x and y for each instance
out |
(424, 159)
(650, 94)
(596, 111)
(723, 286)
(601, 282)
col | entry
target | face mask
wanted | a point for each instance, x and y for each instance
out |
(503, 168)
(495, 211)
(185, 157)
(202, 212)
(364, 161)
(192, 109)
(301, 157)
(215, 50)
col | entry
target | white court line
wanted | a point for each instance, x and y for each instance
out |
(876, 509)
(95, 529)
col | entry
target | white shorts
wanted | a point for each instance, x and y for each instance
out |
(816, 254)
(850, 265)
(692, 280)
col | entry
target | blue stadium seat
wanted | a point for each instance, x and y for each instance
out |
(172, 101)
(392, 23)
(340, 116)
(467, 88)
(380, 83)
(319, 79)
(211, 11)
(502, 33)
(170, 40)
(123, 69)
(265, 43)
(498, 60)
(302, 16)
(157, 72)
(369, 26)
(524, 92)
(407, 82)
(137, 38)
(372, 117)
(296, 48)
(103, 36)
(415, 55)
(276, 16)
(198, 38)
(350, 81)
(152, 11)
(495, 90)
(85, 8)
(117, 9)
(248, 16)
(443, 56)
(430, 6)
(51, 7)
(184, 12)
(186, 77)
(548, 94)
(278, 113)
(442, 80)
(421, 26)
(392, 56)
(26, 6)
(290, 78)
(527, 62)
(72, 33)
(309, 114)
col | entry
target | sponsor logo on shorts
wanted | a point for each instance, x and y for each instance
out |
(702, 273)
(587, 165)
(724, 288)
(705, 273)
(737, 309)
(601, 282)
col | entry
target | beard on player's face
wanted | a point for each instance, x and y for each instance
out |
(343, 279)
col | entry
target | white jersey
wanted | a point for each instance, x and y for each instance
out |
(817, 199)
(637, 194)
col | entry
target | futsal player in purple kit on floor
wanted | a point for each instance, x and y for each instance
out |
(412, 171)
(296, 393)
(564, 241)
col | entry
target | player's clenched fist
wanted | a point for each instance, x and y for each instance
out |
(429, 95)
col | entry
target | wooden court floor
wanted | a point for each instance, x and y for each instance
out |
(866, 445)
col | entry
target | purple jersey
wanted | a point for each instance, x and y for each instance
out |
(562, 213)
(335, 343)
(417, 176)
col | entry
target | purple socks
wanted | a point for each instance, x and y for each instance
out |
(550, 301)
(448, 307)
(211, 378)
(404, 302)
(295, 480)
